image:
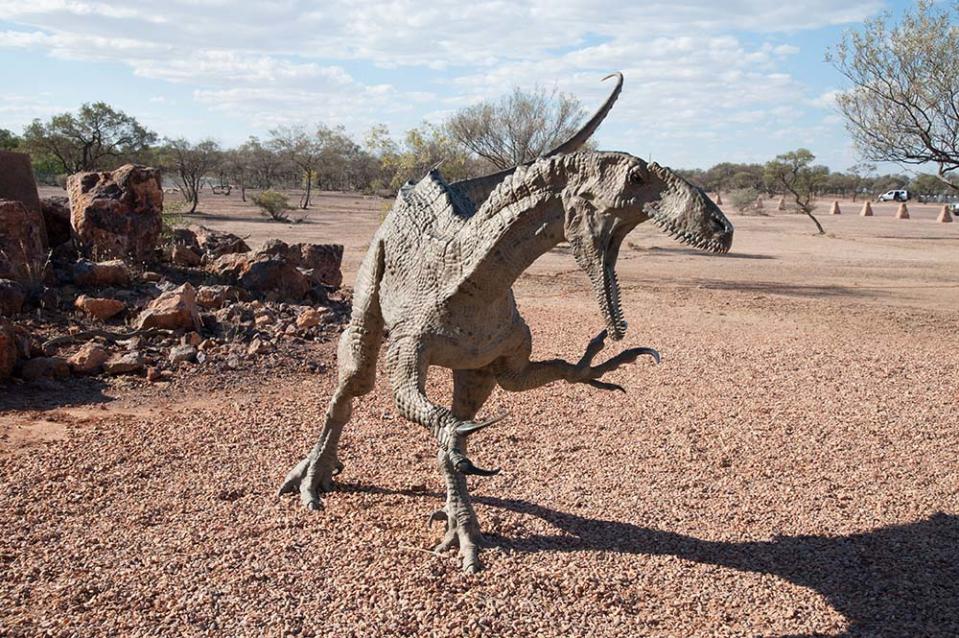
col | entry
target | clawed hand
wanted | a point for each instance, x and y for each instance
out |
(589, 374)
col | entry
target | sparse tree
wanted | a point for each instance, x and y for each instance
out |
(794, 173)
(860, 174)
(904, 103)
(191, 163)
(422, 149)
(236, 165)
(302, 149)
(519, 127)
(88, 140)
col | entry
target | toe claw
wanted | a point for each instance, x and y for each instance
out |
(602, 385)
(469, 427)
(438, 515)
(314, 505)
(465, 466)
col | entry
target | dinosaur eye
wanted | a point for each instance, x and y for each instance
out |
(636, 176)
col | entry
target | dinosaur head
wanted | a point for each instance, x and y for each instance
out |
(608, 195)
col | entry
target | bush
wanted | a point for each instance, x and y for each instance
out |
(273, 204)
(744, 200)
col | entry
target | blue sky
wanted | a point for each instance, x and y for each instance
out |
(703, 84)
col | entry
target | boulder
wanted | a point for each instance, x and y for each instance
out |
(100, 307)
(12, 296)
(263, 273)
(185, 237)
(9, 353)
(89, 359)
(44, 368)
(182, 353)
(321, 262)
(311, 317)
(56, 218)
(17, 182)
(124, 363)
(215, 243)
(173, 310)
(104, 273)
(117, 213)
(23, 244)
(185, 256)
(215, 297)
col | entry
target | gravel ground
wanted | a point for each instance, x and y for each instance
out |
(788, 470)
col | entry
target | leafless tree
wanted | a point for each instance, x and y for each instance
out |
(904, 103)
(516, 128)
(191, 163)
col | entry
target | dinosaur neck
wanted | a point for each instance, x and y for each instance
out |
(521, 220)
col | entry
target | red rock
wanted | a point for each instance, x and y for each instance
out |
(215, 243)
(215, 297)
(23, 245)
(311, 317)
(117, 213)
(100, 307)
(263, 273)
(172, 310)
(89, 359)
(322, 262)
(184, 256)
(106, 273)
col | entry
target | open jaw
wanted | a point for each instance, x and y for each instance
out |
(691, 238)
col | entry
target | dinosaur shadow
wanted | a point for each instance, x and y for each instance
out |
(899, 580)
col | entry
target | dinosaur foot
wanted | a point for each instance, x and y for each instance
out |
(322, 481)
(590, 374)
(463, 535)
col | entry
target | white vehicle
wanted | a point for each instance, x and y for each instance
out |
(895, 196)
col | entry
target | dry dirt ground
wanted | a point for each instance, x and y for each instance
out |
(790, 469)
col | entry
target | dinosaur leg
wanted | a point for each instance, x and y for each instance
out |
(357, 363)
(518, 373)
(471, 388)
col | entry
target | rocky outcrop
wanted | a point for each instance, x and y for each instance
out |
(215, 297)
(117, 213)
(106, 273)
(56, 218)
(173, 310)
(23, 247)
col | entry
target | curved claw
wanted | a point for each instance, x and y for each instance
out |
(469, 427)
(602, 385)
(465, 466)
(637, 352)
(596, 344)
(438, 515)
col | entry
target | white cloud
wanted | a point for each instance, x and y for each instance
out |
(294, 60)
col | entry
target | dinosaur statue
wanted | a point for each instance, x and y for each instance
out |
(438, 278)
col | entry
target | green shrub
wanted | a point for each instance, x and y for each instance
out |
(273, 204)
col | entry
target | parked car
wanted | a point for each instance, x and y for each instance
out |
(895, 196)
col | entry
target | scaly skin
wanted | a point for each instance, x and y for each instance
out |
(438, 278)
